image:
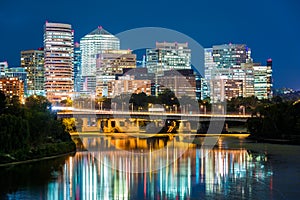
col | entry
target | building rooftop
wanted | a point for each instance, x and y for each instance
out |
(99, 31)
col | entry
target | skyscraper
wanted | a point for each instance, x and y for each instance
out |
(3, 68)
(58, 58)
(228, 66)
(33, 63)
(168, 56)
(263, 81)
(91, 45)
(230, 72)
(228, 55)
(77, 67)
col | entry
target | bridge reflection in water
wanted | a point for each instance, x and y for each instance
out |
(221, 173)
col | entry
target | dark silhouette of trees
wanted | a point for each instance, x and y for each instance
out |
(26, 126)
(275, 120)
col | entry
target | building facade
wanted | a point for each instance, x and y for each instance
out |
(3, 68)
(58, 61)
(230, 72)
(21, 74)
(263, 81)
(229, 55)
(12, 86)
(91, 45)
(128, 84)
(168, 56)
(182, 82)
(109, 64)
(33, 63)
(77, 67)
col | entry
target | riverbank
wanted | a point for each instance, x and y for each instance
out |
(42, 152)
(290, 141)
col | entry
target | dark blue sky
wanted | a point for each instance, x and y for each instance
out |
(270, 28)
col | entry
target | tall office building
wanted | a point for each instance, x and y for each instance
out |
(263, 81)
(227, 66)
(33, 63)
(230, 72)
(228, 55)
(209, 67)
(168, 56)
(58, 58)
(109, 64)
(77, 67)
(3, 68)
(91, 45)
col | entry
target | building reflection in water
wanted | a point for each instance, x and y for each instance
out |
(221, 173)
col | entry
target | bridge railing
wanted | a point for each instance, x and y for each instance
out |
(112, 112)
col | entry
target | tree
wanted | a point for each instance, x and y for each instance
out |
(37, 102)
(2, 101)
(168, 98)
(139, 101)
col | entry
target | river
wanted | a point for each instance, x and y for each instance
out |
(160, 168)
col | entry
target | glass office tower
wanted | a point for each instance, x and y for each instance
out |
(33, 63)
(58, 58)
(91, 45)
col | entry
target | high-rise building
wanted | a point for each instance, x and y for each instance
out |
(77, 67)
(109, 64)
(168, 56)
(58, 59)
(3, 68)
(21, 74)
(91, 45)
(229, 55)
(33, 63)
(231, 67)
(12, 86)
(209, 67)
(233, 73)
(263, 81)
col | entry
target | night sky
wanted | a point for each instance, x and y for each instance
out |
(270, 28)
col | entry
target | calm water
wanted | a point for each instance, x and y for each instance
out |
(149, 169)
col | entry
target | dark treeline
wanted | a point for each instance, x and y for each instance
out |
(30, 130)
(276, 118)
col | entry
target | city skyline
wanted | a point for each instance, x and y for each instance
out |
(269, 29)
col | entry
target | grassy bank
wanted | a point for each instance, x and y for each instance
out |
(41, 151)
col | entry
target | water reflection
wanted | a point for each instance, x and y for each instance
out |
(231, 173)
(222, 173)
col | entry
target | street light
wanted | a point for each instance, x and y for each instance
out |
(204, 108)
(243, 109)
(175, 108)
(131, 107)
(221, 108)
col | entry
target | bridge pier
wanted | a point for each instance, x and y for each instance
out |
(184, 126)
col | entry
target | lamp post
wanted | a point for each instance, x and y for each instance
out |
(175, 108)
(132, 107)
(203, 107)
(242, 108)
(221, 109)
